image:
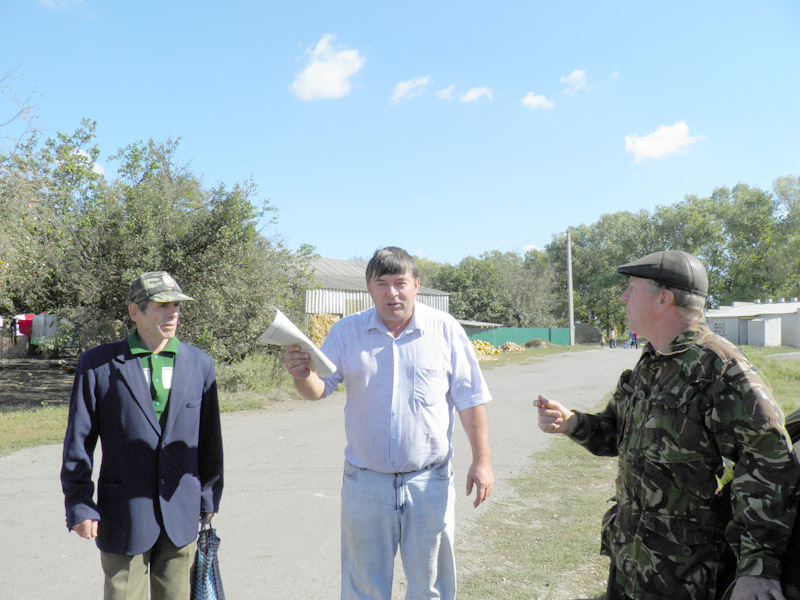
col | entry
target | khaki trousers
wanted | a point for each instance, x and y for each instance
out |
(165, 567)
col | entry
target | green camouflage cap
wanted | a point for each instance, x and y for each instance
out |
(672, 268)
(155, 286)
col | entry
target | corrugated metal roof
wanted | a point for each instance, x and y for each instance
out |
(753, 309)
(335, 274)
(347, 302)
(478, 324)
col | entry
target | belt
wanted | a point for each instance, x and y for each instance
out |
(428, 468)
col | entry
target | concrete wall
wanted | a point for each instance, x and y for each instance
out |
(765, 331)
(727, 327)
(790, 330)
(769, 330)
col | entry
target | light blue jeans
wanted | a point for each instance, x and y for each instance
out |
(414, 511)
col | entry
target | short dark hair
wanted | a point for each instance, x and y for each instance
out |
(391, 260)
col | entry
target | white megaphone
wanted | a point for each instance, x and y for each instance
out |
(283, 332)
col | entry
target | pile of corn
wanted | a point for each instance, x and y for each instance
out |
(319, 326)
(512, 347)
(484, 348)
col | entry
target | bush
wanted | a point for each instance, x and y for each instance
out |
(259, 373)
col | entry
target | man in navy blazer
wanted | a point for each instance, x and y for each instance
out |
(152, 401)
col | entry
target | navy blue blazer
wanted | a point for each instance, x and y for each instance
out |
(149, 477)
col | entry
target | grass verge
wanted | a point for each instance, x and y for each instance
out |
(528, 355)
(783, 374)
(23, 429)
(544, 542)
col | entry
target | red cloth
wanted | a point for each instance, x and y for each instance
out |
(26, 325)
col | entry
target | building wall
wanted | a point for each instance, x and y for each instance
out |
(790, 330)
(777, 330)
(765, 331)
(756, 335)
(727, 327)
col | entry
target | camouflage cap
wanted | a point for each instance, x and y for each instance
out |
(672, 268)
(155, 286)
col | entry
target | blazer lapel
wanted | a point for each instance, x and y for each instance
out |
(131, 370)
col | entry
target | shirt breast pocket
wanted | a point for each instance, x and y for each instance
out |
(676, 427)
(430, 385)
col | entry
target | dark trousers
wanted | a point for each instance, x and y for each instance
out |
(725, 578)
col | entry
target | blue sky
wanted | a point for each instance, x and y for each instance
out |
(448, 128)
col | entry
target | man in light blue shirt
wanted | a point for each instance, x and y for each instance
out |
(408, 369)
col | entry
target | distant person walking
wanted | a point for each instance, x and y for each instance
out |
(602, 341)
(152, 402)
(612, 338)
(408, 371)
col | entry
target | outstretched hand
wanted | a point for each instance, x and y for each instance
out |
(554, 417)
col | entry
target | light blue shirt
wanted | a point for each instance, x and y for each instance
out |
(403, 394)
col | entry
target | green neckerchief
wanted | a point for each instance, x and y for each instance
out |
(158, 369)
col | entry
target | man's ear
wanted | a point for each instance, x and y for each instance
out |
(133, 311)
(666, 298)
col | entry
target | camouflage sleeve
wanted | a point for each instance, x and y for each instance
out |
(749, 430)
(600, 433)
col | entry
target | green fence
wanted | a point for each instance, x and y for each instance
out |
(521, 335)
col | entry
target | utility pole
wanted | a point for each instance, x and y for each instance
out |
(569, 289)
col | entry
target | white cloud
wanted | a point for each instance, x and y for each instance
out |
(535, 102)
(576, 82)
(328, 72)
(446, 93)
(63, 5)
(97, 168)
(667, 139)
(476, 93)
(410, 88)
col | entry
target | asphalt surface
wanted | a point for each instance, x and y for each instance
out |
(279, 519)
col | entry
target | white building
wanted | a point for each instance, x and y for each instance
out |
(758, 323)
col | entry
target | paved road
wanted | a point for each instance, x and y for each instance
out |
(279, 520)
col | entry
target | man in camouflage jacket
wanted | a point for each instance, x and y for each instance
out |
(703, 452)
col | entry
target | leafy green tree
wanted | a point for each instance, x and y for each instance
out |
(83, 240)
(526, 286)
(474, 288)
(784, 259)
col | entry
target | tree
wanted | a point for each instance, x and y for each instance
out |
(784, 261)
(83, 240)
(526, 286)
